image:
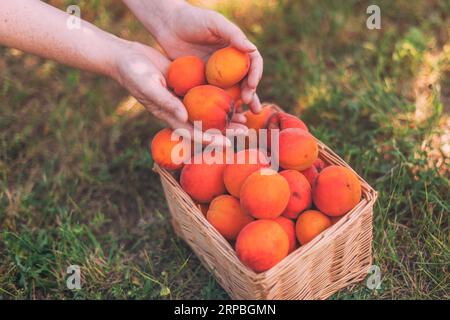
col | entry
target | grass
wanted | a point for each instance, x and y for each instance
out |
(76, 185)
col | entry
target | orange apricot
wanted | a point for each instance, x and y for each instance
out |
(235, 94)
(310, 224)
(202, 181)
(245, 163)
(265, 194)
(259, 120)
(210, 105)
(289, 227)
(164, 152)
(283, 120)
(262, 244)
(336, 190)
(297, 149)
(226, 67)
(184, 73)
(300, 189)
(225, 214)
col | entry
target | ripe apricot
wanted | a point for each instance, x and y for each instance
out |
(310, 224)
(225, 214)
(310, 174)
(184, 73)
(164, 152)
(283, 120)
(259, 120)
(265, 194)
(289, 227)
(202, 181)
(297, 149)
(209, 104)
(235, 94)
(300, 189)
(245, 163)
(336, 190)
(262, 244)
(226, 67)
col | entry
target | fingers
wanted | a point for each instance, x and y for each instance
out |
(239, 118)
(193, 134)
(166, 101)
(255, 104)
(249, 85)
(228, 31)
(256, 70)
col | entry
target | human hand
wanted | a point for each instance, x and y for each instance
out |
(182, 29)
(141, 70)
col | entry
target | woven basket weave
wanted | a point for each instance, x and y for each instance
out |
(338, 257)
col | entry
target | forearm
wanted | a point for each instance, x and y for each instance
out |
(35, 27)
(160, 10)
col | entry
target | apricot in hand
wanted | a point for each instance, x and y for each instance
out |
(210, 105)
(185, 73)
(226, 67)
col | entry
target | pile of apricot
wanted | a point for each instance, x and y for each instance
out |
(265, 213)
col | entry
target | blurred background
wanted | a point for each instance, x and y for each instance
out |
(76, 180)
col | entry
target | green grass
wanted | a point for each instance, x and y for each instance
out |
(78, 189)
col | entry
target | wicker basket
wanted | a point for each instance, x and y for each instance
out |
(338, 257)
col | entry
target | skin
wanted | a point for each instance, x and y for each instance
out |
(38, 28)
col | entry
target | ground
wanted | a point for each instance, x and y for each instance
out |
(76, 179)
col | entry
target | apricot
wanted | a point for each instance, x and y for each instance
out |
(225, 214)
(210, 105)
(265, 194)
(245, 163)
(164, 153)
(300, 189)
(235, 94)
(289, 227)
(202, 181)
(184, 73)
(259, 120)
(262, 244)
(282, 120)
(310, 174)
(226, 67)
(297, 149)
(336, 190)
(310, 224)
